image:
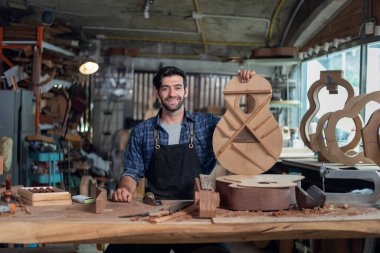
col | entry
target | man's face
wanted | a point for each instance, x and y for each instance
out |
(172, 93)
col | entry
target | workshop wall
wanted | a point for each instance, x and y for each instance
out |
(347, 23)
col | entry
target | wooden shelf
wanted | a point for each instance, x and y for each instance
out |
(285, 103)
(273, 61)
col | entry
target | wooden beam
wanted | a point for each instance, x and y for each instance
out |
(317, 20)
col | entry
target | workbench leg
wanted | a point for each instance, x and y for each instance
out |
(337, 246)
(370, 245)
(286, 246)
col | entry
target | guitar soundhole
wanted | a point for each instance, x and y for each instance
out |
(247, 104)
(267, 182)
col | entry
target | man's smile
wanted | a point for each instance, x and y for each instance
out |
(173, 100)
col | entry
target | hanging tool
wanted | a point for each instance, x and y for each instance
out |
(354, 198)
(162, 212)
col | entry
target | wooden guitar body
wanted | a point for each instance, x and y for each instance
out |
(265, 192)
(247, 143)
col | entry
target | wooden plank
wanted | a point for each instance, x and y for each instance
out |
(291, 219)
(59, 202)
(77, 224)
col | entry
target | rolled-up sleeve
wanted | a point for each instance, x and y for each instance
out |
(134, 162)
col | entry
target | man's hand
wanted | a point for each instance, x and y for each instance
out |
(245, 75)
(124, 192)
(122, 195)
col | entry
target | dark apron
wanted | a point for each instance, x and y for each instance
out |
(173, 168)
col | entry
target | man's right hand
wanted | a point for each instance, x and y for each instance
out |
(122, 195)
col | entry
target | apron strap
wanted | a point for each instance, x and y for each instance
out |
(157, 146)
(191, 145)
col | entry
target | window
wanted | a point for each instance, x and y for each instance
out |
(373, 76)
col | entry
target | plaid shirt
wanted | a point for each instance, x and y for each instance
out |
(141, 143)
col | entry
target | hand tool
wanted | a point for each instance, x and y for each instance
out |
(206, 182)
(354, 198)
(311, 198)
(150, 199)
(163, 212)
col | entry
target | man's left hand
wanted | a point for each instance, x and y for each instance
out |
(245, 75)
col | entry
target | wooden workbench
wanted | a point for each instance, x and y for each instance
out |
(76, 223)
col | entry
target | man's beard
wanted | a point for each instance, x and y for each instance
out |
(172, 109)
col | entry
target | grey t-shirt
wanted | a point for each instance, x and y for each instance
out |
(174, 131)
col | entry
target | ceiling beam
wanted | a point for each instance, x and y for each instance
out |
(320, 17)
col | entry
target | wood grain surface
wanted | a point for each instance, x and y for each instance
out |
(78, 224)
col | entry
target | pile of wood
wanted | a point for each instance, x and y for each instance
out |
(61, 65)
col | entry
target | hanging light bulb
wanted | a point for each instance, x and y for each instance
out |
(88, 66)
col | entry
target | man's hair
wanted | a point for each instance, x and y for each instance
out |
(168, 71)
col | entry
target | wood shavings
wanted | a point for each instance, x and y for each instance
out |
(327, 210)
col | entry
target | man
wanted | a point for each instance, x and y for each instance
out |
(170, 149)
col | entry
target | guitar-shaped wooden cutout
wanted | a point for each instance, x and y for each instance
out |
(247, 143)
(351, 110)
(330, 79)
(370, 137)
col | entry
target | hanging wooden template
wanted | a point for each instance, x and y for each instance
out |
(331, 80)
(351, 110)
(370, 136)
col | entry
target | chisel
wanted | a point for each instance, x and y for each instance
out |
(163, 212)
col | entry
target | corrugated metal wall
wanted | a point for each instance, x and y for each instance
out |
(205, 92)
